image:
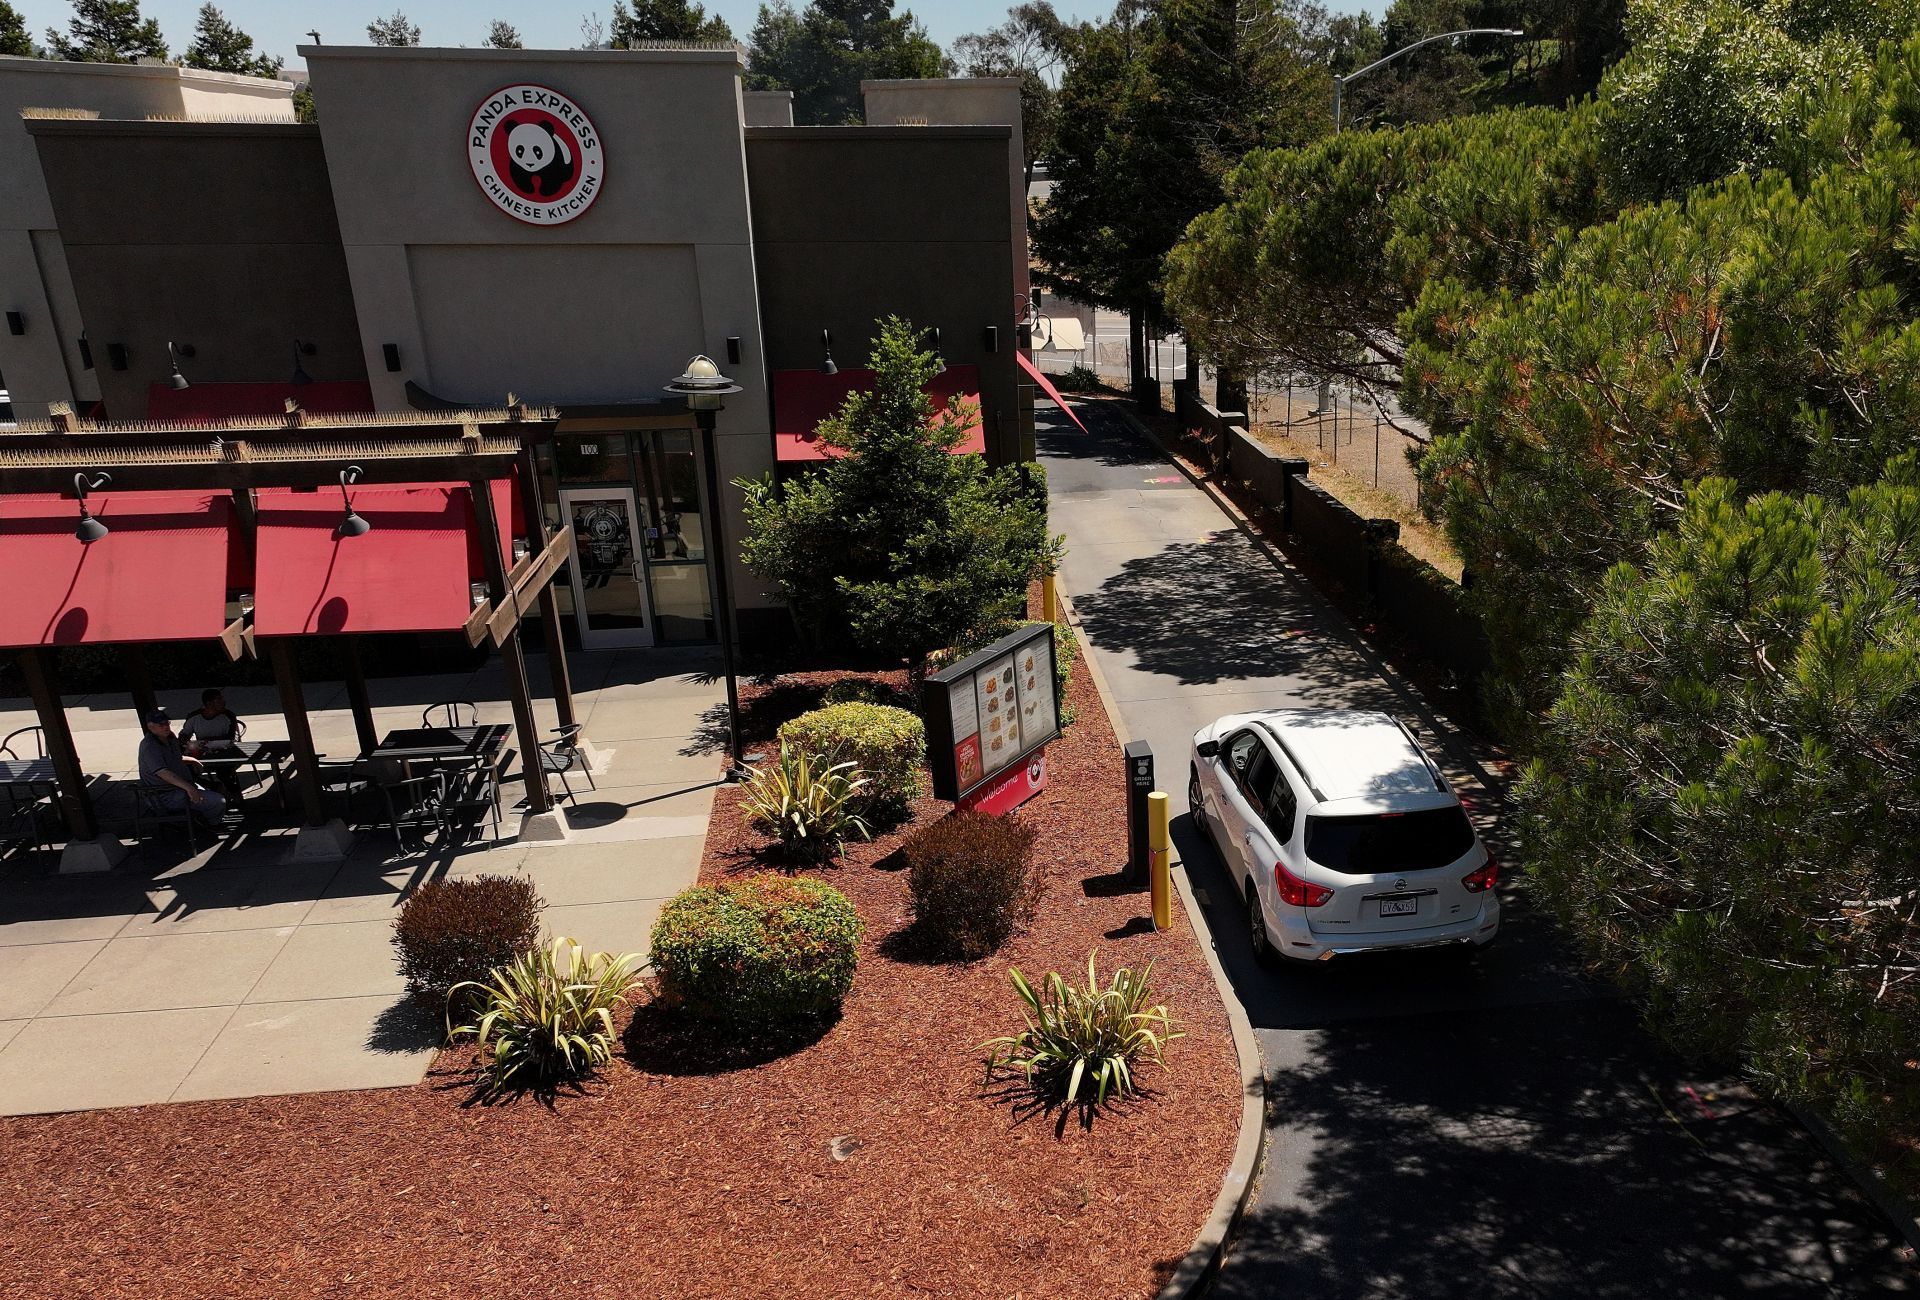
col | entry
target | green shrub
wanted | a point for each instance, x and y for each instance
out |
(457, 931)
(858, 690)
(1080, 379)
(758, 952)
(888, 745)
(546, 1016)
(972, 882)
(807, 802)
(1081, 1045)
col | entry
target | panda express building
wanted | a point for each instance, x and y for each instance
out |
(566, 227)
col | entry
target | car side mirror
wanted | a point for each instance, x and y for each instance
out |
(1207, 748)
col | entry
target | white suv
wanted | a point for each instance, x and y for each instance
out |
(1342, 833)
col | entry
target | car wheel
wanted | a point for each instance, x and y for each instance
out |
(1196, 802)
(1257, 928)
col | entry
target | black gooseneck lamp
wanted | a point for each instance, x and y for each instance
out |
(939, 357)
(826, 345)
(90, 529)
(353, 525)
(300, 375)
(176, 380)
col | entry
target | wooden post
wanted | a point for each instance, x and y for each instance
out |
(76, 802)
(357, 698)
(133, 662)
(534, 518)
(512, 657)
(293, 704)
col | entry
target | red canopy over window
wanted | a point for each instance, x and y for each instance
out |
(803, 398)
(412, 572)
(225, 401)
(1046, 386)
(160, 573)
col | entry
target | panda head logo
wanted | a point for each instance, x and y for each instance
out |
(539, 159)
(535, 154)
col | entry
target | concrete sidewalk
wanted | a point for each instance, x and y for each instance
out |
(231, 972)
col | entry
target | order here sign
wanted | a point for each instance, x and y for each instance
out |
(989, 716)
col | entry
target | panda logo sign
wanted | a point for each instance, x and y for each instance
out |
(535, 154)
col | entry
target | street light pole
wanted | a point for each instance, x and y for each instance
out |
(1340, 83)
(706, 390)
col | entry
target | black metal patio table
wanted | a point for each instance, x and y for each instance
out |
(269, 756)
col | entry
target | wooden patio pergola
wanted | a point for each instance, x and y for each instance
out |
(436, 491)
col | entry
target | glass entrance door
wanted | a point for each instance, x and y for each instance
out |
(609, 577)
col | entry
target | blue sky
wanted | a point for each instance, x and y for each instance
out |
(279, 25)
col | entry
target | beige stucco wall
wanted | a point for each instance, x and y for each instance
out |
(769, 107)
(605, 308)
(43, 365)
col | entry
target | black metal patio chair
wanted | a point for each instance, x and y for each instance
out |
(563, 755)
(451, 713)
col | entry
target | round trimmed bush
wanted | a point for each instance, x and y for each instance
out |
(452, 931)
(973, 882)
(888, 745)
(757, 952)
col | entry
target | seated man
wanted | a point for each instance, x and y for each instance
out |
(213, 727)
(164, 765)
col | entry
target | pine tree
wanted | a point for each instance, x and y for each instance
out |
(905, 545)
(13, 33)
(394, 29)
(502, 35)
(219, 46)
(107, 31)
(664, 20)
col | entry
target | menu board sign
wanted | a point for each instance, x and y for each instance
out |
(990, 711)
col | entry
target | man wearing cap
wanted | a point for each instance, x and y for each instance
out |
(165, 766)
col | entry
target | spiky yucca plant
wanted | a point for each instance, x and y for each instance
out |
(546, 1016)
(1083, 1038)
(807, 802)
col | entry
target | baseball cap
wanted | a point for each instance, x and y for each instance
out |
(159, 715)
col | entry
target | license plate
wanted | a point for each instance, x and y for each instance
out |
(1399, 906)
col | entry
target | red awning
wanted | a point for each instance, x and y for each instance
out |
(1046, 386)
(803, 398)
(160, 573)
(226, 401)
(412, 572)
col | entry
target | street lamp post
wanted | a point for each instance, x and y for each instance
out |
(706, 391)
(1340, 83)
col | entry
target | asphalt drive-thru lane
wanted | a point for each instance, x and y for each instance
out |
(1436, 1126)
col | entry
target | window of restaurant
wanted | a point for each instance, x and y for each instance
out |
(635, 500)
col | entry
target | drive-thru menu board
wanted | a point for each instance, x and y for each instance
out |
(990, 710)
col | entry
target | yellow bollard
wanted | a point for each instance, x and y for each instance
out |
(1049, 599)
(1160, 860)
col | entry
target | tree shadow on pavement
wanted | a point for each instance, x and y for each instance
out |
(1542, 1151)
(1213, 611)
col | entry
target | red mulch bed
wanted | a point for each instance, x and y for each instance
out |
(674, 1175)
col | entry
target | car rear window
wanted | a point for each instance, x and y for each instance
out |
(1377, 842)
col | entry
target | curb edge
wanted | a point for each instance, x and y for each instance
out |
(1195, 1273)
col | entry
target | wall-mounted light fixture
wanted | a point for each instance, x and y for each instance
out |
(301, 349)
(391, 351)
(86, 351)
(117, 355)
(90, 529)
(992, 339)
(16, 323)
(353, 525)
(733, 349)
(826, 345)
(175, 379)
(939, 358)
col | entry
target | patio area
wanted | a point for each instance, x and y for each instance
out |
(237, 971)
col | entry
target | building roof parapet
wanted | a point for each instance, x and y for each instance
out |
(153, 71)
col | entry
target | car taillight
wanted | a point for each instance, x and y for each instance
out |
(1295, 892)
(1485, 878)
